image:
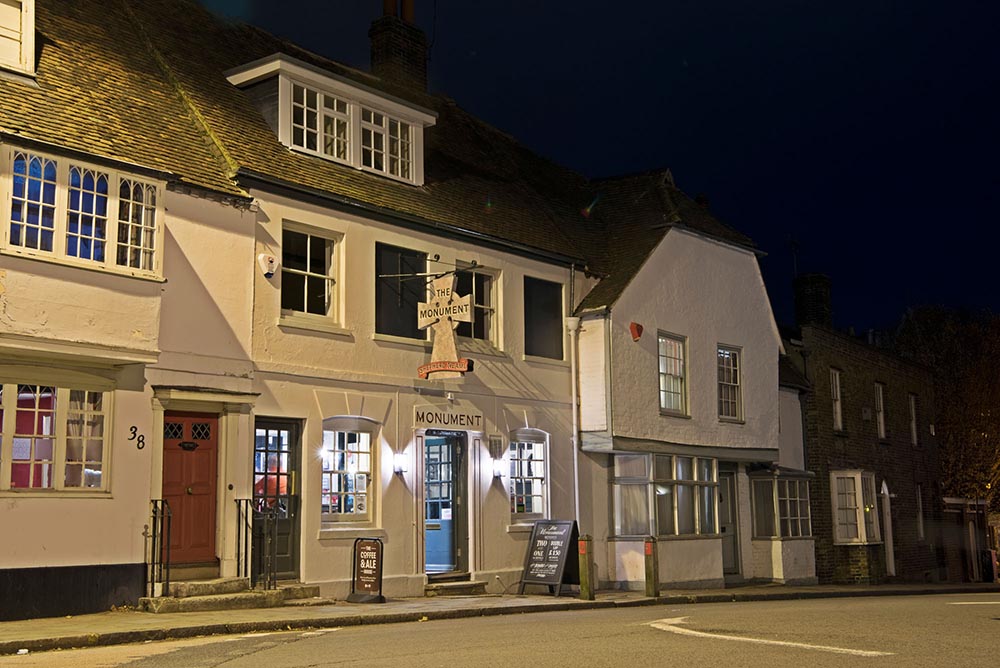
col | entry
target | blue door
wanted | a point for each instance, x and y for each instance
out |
(442, 502)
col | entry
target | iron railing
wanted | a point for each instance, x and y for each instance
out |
(256, 544)
(157, 536)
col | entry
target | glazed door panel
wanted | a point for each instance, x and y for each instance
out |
(275, 488)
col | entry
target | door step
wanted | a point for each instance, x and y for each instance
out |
(229, 594)
(461, 588)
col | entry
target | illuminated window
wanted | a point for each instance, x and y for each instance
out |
(346, 475)
(80, 214)
(855, 507)
(55, 437)
(528, 496)
(665, 495)
(672, 374)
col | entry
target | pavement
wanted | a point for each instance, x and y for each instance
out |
(130, 626)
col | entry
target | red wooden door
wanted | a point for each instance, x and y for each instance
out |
(190, 443)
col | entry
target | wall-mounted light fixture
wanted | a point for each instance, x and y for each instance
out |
(399, 463)
(496, 452)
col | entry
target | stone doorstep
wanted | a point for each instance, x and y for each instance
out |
(466, 588)
(295, 591)
(187, 589)
(240, 601)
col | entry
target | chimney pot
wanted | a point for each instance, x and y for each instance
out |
(409, 14)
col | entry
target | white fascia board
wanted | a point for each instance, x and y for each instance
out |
(280, 64)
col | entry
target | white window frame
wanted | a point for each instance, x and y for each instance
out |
(63, 382)
(835, 397)
(865, 511)
(880, 410)
(333, 277)
(540, 477)
(491, 307)
(658, 485)
(734, 371)
(664, 375)
(785, 523)
(357, 106)
(914, 430)
(61, 210)
(24, 35)
(361, 427)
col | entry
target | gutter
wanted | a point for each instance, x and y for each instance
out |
(249, 178)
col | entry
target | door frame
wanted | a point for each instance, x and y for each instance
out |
(295, 428)
(734, 513)
(212, 520)
(461, 480)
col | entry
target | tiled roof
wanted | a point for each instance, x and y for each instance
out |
(638, 211)
(143, 82)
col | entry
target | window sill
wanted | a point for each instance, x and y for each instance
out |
(67, 262)
(729, 420)
(312, 323)
(534, 359)
(521, 528)
(352, 533)
(841, 433)
(54, 494)
(402, 340)
(672, 414)
(857, 543)
(666, 539)
(778, 539)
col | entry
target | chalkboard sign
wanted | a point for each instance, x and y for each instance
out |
(366, 580)
(552, 557)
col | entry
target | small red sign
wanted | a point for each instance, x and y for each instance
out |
(649, 549)
(583, 547)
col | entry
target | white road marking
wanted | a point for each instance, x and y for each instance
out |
(976, 603)
(671, 625)
(309, 634)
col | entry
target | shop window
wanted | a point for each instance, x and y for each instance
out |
(348, 462)
(53, 437)
(528, 484)
(543, 317)
(781, 508)
(399, 286)
(665, 495)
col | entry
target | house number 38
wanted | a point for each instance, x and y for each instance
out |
(134, 435)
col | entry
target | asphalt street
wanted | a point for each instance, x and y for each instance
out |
(944, 630)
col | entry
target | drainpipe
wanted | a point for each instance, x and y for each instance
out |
(573, 326)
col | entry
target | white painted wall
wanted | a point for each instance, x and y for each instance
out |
(785, 561)
(790, 443)
(682, 562)
(712, 294)
(593, 373)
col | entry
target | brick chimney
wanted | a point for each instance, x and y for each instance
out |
(812, 300)
(399, 47)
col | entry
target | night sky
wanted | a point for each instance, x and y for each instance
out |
(867, 131)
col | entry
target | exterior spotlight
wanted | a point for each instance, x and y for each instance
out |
(498, 468)
(399, 463)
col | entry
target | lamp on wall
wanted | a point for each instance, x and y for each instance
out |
(399, 463)
(496, 452)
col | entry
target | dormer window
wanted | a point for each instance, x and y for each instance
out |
(337, 119)
(17, 35)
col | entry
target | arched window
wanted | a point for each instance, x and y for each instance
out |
(349, 454)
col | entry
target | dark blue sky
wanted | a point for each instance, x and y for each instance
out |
(867, 130)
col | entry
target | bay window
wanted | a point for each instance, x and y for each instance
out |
(781, 507)
(665, 495)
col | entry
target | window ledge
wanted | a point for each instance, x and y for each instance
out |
(729, 420)
(402, 340)
(54, 494)
(779, 539)
(667, 539)
(534, 359)
(858, 543)
(67, 262)
(352, 533)
(841, 433)
(312, 324)
(521, 528)
(674, 414)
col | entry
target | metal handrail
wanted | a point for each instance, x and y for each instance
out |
(244, 537)
(256, 544)
(157, 539)
(269, 549)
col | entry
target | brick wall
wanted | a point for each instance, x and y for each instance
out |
(894, 459)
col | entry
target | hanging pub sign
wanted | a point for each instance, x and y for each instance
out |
(366, 578)
(552, 557)
(441, 314)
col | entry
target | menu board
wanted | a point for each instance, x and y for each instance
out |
(366, 585)
(552, 556)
